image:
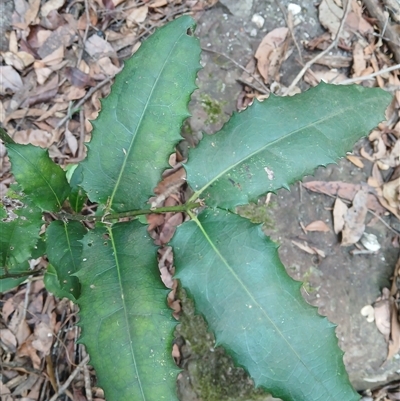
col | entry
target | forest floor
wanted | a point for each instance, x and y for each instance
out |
(59, 57)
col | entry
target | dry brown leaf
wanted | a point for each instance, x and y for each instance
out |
(106, 67)
(54, 58)
(330, 15)
(169, 227)
(10, 81)
(8, 340)
(331, 76)
(309, 249)
(391, 192)
(154, 220)
(377, 175)
(393, 159)
(339, 211)
(171, 182)
(42, 73)
(51, 5)
(78, 78)
(158, 3)
(21, 113)
(19, 60)
(394, 340)
(36, 137)
(42, 93)
(271, 46)
(73, 93)
(354, 219)
(355, 160)
(26, 349)
(32, 11)
(43, 338)
(317, 225)
(54, 109)
(71, 141)
(98, 47)
(127, 40)
(382, 314)
(137, 16)
(344, 190)
(359, 63)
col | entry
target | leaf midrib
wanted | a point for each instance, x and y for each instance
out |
(248, 292)
(144, 110)
(124, 307)
(197, 194)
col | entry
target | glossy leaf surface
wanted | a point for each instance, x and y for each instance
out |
(274, 143)
(41, 179)
(141, 118)
(126, 324)
(64, 251)
(256, 310)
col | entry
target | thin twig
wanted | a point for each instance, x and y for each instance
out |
(252, 86)
(85, 34)
(239, 66)
(391, 36)
(88, 387)
(370, 211)
(64, 387)
(327, 50)
(375, 74)
(86, 97)
(277, 2)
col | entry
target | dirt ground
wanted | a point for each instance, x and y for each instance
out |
(340, 283)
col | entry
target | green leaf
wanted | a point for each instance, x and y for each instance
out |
(41, 179)
(19, 237)
(256, 310)
(77, 197)
(52, 284)
(274, 143)
(141, 119)
(126, 324)
(64, 251)
(9, 283)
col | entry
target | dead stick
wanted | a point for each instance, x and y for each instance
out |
(86, 97)
(391, 37)
(64, 387)
(366, 77)
(327, 50)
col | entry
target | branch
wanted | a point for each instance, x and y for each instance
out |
(132, 213)
(327, 50)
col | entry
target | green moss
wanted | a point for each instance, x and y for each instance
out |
(306, 279)
(213, 108)
(213, 375)
(257, 213)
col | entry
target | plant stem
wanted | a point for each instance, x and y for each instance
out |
(20, 274)
(132, 213)
(5, 137)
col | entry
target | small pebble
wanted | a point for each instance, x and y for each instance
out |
(258, 20)
(294, 8)
(253, 32)
(370, 241)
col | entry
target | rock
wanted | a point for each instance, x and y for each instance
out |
(258, 20)
(240, 8)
